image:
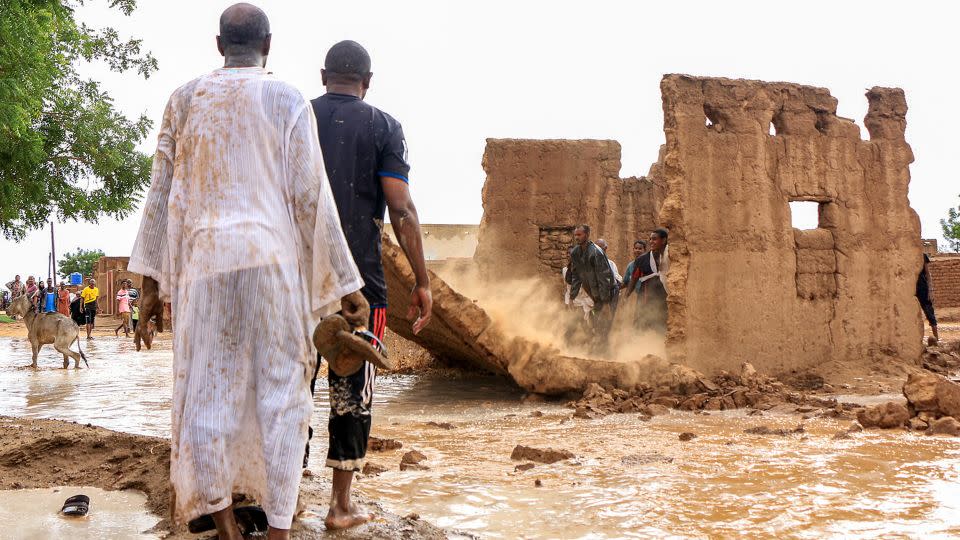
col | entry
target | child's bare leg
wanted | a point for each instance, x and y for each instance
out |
(343, 513)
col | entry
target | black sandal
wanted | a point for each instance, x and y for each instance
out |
(251, 519)
(78, 505)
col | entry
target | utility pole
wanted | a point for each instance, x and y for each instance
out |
(53, 253)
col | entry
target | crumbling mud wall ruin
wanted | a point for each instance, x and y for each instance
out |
(744, 284)
(537, 191)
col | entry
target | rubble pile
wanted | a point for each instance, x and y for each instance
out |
(691, 391)
(942, 358)
(933, 406)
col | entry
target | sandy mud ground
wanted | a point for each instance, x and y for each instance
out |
(43, 453)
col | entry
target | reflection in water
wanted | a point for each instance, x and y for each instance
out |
(630, 478)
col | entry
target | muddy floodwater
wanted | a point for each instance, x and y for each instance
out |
(629, 478)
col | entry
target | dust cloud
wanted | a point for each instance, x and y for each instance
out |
(534, 309)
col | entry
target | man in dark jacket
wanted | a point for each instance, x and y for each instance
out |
(590, 270)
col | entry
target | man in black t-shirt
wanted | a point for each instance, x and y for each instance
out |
(366, 160)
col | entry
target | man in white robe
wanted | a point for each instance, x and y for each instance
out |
(239, 197)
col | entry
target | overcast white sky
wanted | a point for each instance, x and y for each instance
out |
(455, 73)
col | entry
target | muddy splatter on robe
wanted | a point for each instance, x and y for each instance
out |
(238, 223)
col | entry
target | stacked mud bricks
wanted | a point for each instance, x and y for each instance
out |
(554, 249)
(945, 280)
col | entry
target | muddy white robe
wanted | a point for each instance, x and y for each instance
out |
(241, 231)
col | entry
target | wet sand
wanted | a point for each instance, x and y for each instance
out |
(47, 453)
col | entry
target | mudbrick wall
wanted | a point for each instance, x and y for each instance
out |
(536, 191)
(744, 284)
(945, 281)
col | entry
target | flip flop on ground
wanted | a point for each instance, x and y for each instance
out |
(78, 505)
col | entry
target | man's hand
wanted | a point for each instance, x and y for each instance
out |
(406, 227)
(421, 307)
(150, 306)
(355, 309)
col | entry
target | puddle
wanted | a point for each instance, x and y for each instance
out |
(123, 390)
(630, 479)
(34, 514)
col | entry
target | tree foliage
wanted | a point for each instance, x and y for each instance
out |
(81, 260)
(65, 151)
(951, 228)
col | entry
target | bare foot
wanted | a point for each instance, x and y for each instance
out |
(339, 519)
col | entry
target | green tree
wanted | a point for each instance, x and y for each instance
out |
(65, 151)
(951, 228)
(82, 260)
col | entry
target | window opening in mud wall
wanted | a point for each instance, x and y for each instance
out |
(805, 215)
(813, 230)
(555, 243)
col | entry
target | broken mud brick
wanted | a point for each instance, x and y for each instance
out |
(884, 416)
(545, 455)
(382, 445)
(413, 457)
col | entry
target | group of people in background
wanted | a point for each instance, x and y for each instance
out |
(80, 304)
(590, 270)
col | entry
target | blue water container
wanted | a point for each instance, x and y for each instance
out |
(76, 278)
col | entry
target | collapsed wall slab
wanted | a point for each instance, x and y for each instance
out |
(744, 284)
(462, 332)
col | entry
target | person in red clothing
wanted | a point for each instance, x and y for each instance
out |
(63, 300)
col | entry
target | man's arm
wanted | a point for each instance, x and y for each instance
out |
(150, 248)
(406, 226)
(575, 282)
(601, 266)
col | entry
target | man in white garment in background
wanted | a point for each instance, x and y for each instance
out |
(239, 195)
